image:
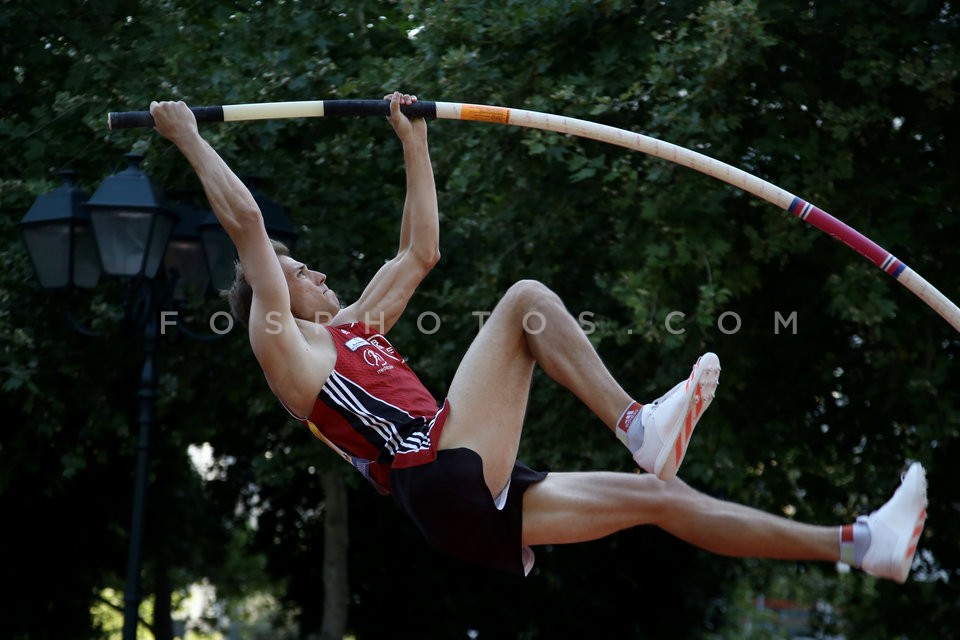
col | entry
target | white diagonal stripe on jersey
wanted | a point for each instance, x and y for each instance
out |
(338, 390)
(416, 442)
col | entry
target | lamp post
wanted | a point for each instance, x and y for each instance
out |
(217, 246)
(128, 231)
(132, 224)
(185, 257)
(59, 238)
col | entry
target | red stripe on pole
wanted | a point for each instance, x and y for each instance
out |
(847, 235)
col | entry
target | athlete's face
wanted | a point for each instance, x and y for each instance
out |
(310, 297)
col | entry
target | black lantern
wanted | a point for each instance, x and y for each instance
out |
(131, 222)
(219, 248)
(275, 218)
(184, 259)
(59, 239)
(219, 251)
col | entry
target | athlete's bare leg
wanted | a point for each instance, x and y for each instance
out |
(489, 398)
(488, 394)
(580, 506)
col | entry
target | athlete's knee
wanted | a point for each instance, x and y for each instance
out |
(530, 297)
(664, 498)
(528, 289)
(531, 304)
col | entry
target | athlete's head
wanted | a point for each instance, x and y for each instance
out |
(310, 298)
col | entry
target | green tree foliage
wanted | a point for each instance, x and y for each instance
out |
(849, 105)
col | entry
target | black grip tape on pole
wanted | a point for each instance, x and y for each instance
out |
(334, 108)
(133, 119)
(129, 119)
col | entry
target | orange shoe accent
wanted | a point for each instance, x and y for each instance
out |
(681, 408)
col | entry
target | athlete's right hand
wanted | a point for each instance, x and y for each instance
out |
(173, 120)
(408, 130)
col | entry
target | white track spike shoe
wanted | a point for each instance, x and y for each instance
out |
(668, 421)
(895, 528)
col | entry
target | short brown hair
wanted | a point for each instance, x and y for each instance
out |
(240, 294)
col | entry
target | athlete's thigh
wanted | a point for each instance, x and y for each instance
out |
(585, 505)
(488, 395)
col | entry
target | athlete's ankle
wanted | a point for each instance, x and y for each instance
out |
(854, 542)
(629, 430)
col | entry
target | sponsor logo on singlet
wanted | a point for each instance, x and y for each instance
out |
(376, 359)
(355, 343)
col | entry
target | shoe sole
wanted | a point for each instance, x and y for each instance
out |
(700, 389)
(906, 547)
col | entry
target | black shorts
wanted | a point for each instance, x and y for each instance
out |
(450, 503)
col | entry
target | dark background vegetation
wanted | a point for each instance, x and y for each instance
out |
(850, 105)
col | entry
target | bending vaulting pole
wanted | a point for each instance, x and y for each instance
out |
(581, 128)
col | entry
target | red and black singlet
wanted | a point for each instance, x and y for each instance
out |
(373, 410)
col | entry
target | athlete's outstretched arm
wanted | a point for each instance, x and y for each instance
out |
(280, 352)
(388, 292)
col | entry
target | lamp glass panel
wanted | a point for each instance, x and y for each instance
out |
(163, 227)
(49, 248)
(86, 261)
(186, 258)
(122, 239)
(221, 257)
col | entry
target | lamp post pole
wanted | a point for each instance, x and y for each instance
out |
(146, 395)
